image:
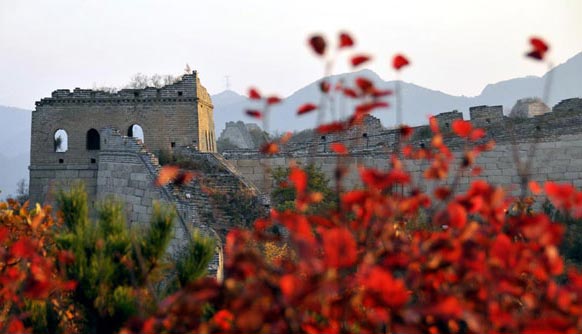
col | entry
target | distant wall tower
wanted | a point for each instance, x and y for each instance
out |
(66, 128)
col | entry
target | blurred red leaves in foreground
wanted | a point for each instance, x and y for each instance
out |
(339, 148)
(317, 44)
(173, 174)
(345, 40)
(305, 108)
(364, 268)
(30, 264)
(475, 266)
(399, 61)
(539, 48)
(359, 60)
(392, 258)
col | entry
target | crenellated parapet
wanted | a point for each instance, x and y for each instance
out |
(486, 115)
(187, 89)
(572, 104)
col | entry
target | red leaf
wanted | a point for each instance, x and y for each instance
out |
(462, 128)
(324, 86)
(285, 137)
(564, 196)
(254, 114)
(270, 148)
(539, 44)
(355, 197)
(381, 93)
(299, 179)
(364, 84)
(317, 43)
(500, 248)
(166, 175)
(434, 124)
(476, 171)
(457, 215)
(450, 307)
(307, 107)
(3, 233)
(381, 283)
(289, 285)
(359, 59)
(376, 179)
(540, 48)
(331, 127)
(254, 94)
(340, 248)
(298, 226)
(560, 191)
(223, 319)
(535, 187)
(405, 131)
(69, 285)
(535, 55)
(339, 148)
(345, 40)
(22, 248)
(477, 134)
(350, 92)
(16, 326)
(273, 100)
(442, 192)
(399, 61)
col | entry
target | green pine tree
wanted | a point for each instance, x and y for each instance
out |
(117, 267)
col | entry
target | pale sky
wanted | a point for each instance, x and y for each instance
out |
(456, 46)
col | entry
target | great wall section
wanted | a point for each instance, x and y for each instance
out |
(555, 136)
(99, 149)
(86, 137)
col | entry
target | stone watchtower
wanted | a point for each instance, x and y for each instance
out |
(67, 129)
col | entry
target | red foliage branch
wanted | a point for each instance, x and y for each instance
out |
(29, 269)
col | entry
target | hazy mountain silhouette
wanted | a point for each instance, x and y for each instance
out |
(14, 148)
(417, 102)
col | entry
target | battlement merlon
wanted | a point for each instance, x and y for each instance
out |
(187, 89)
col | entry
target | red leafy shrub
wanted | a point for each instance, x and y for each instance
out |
(29, 263)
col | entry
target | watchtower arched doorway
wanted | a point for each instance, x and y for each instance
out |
(136, 131)
(93, 140)
(61, 141)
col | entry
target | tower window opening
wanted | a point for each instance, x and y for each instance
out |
(93, 140)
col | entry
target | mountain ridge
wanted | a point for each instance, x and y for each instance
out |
(418, 101)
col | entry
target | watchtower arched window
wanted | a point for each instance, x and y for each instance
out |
(93, 140)
(136, 131)
(61, 141)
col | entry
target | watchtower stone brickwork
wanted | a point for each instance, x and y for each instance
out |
(528, 108)
(66, 128)
(91, 137)
(238, 134)
(486, 115)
